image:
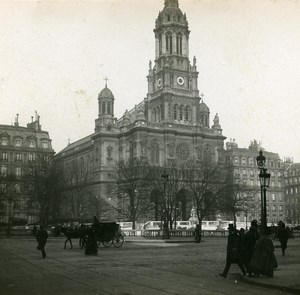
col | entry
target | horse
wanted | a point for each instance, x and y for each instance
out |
(75, 233)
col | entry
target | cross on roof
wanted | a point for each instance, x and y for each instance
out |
(106, 79)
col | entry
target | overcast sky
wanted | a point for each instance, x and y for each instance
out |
(54, 57)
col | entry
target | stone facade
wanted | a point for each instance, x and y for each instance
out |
(172, 122)
(18, 149)
(245, 166)
(292, 192)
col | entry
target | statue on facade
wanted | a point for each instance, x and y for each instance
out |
(194, 61)
(216, 119)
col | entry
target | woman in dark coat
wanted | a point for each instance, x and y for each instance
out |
(263, 260)
(249, 243)
(91, 243)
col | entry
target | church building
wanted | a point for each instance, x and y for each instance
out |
(172, 122)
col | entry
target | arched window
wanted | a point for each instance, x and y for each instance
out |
(162, 112)
(153, 115)
(154, 157)
(169, 43)
(181, 112)
(206, 120)
(158, 114)
(103, 107)
(187, 113)
(109, 152)
(179, 43)
(108, 108)
(175, 112)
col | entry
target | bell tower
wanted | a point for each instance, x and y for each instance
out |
(105, 109)
(172, 79)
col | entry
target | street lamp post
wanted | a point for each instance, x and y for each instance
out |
(264, 179)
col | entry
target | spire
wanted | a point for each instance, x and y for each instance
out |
(173, 3)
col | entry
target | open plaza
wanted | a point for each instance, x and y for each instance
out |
(141, 266)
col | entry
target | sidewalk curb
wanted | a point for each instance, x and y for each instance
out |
(261, 284)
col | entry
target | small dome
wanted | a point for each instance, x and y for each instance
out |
(203, 107)
(106, 93)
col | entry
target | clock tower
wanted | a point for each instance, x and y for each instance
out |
(173, 94)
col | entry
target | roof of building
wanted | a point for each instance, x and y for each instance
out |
(77, 143)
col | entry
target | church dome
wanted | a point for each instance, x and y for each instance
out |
(203, 107)
(105, 93)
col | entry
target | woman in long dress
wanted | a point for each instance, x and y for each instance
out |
(263, 260)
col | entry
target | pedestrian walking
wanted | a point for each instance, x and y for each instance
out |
(283, 236)
(263, 260)
(41, 238)
(233, 251)
(248, 245)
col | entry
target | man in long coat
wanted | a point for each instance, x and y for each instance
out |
(233, 251)
(41, 238)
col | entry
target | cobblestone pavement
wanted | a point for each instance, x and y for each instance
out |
(136, 268)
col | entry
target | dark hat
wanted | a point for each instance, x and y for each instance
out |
(230, 226)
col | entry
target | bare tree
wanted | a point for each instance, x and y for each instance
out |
(44, 182)
(131, 188)
(7, 187)
(205, 180)
(76, 180)
(167, 182)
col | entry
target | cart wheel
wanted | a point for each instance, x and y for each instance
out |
(118, 241)
(107, 244)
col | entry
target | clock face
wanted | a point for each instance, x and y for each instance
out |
(180, 81)
(159, 82)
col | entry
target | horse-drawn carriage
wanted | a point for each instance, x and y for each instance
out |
(106, 233)
(109, 233)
